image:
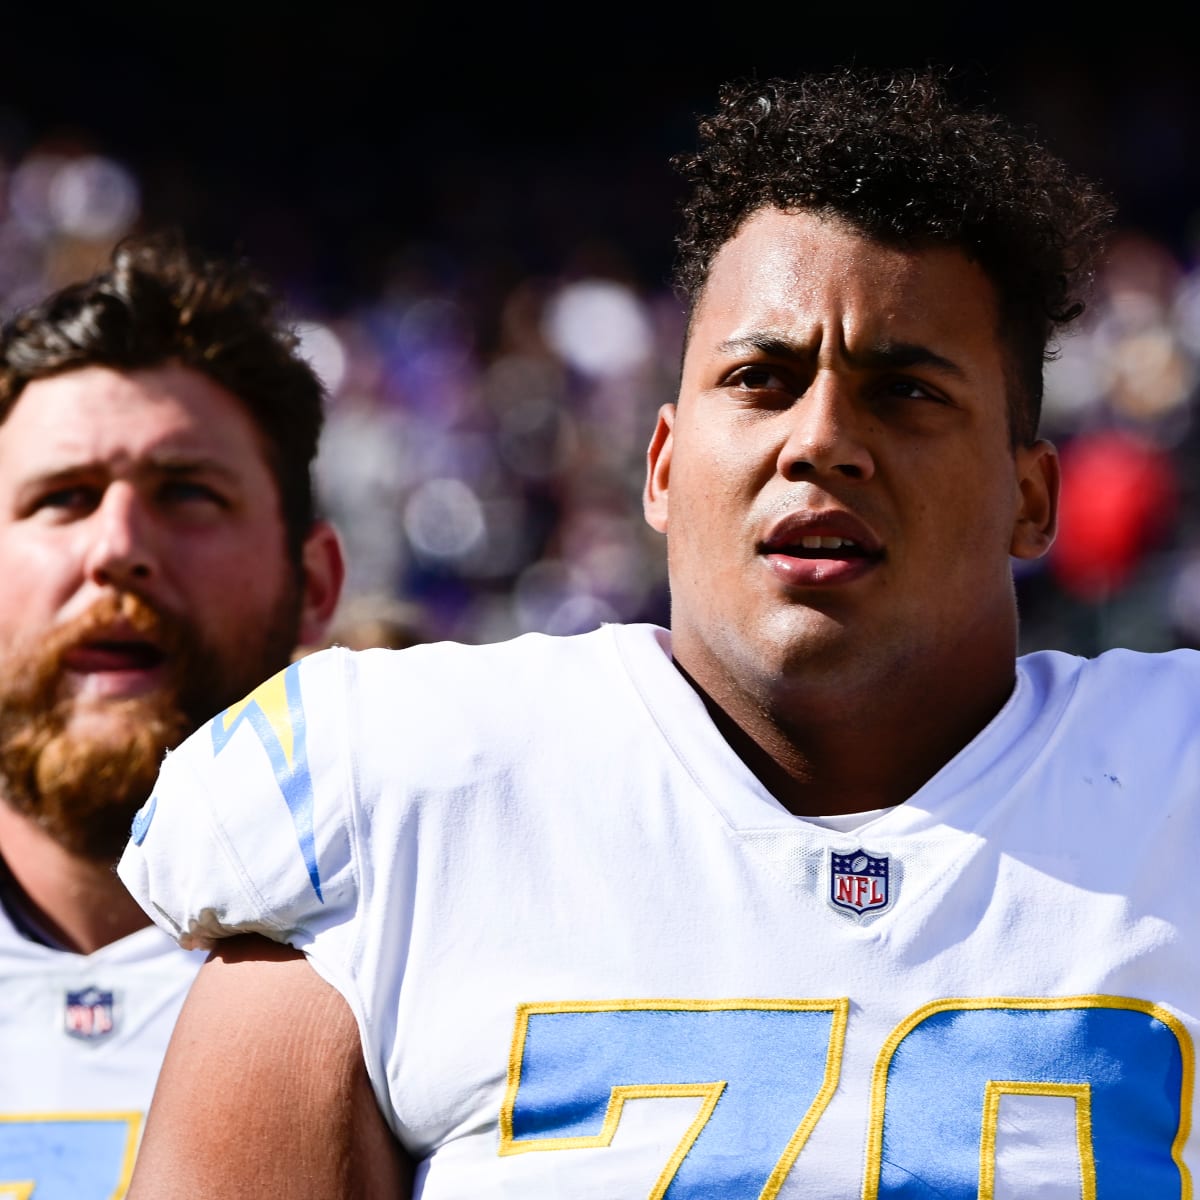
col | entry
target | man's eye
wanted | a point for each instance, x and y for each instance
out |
(66, 499)
(190, 491)
(759, 378)
(911, 389)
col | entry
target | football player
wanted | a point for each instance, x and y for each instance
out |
(159, 554)
(823, 892)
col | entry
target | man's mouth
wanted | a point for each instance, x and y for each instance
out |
(818, 546)
(113, 655)
(115, 667)
(807, 549)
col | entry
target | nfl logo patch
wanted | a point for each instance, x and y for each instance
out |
(858, 881)
(89, 1014)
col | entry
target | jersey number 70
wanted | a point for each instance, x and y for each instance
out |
(765, 1071)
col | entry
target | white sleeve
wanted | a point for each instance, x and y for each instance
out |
(250, 825)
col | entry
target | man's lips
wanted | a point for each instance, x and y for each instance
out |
(808, 548)
(114, 655)
(106, 669)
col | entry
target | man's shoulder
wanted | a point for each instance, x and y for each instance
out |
(440, 708)
(530, 645)
(547, 663)
(1150, 667)
(1133, 689)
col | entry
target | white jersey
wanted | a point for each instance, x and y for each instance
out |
(82, 1037)
(591, 958)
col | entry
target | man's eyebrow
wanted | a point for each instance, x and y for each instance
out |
(52, 475)
(880, 356)
(170, 463)
(898, 355)
(765, 343)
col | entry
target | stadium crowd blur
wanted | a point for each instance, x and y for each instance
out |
(485, 446)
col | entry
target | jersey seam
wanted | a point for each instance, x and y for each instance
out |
(633, 679)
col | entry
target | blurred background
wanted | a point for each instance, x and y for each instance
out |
(470, 215)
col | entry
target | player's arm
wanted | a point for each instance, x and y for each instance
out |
(264, 1092)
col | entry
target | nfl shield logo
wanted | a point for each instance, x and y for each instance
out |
(858, 881)
(89, 1014)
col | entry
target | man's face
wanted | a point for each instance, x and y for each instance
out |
(836, 482)
(144, 585)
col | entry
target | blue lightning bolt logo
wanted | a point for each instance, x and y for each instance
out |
(275, 711)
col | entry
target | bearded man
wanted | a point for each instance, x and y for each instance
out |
(159, 556)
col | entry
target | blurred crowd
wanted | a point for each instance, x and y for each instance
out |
(484, 450)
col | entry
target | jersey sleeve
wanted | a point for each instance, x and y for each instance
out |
(249, 828)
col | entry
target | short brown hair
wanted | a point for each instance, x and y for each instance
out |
(162, 300)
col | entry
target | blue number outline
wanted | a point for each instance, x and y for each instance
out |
(875, 1127)
(711, 1091)
(995, 1089)
(132, 1120)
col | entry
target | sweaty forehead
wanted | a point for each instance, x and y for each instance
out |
(169, 416)
(815, 279)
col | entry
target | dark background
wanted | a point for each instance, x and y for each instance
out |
(319, 139)
(372, 160)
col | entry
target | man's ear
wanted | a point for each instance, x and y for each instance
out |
(1038, 479)
(324, 571)
(658, 469)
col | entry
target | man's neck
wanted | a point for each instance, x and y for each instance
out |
(828, 759)
(60, 898)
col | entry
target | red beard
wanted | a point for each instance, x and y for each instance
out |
(83, 788)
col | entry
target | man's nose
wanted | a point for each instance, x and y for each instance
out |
(120, 552)
(826, 434)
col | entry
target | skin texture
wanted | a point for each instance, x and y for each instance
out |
(855, 389)
(275, 1099)
(152, 483)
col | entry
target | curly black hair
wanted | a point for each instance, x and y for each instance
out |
(159, 300)
(895, 156)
